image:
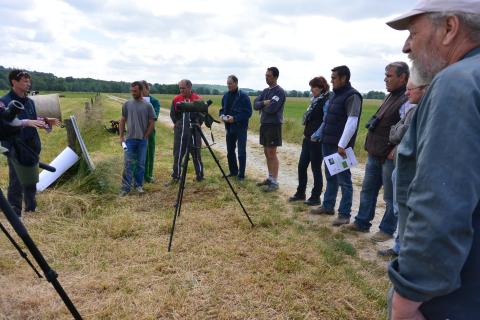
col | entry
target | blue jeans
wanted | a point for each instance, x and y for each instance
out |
(134, 158)
(342, 179)
(396, 246)
(377, 174)
(234, 136)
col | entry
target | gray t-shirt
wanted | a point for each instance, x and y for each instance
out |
(137, 115)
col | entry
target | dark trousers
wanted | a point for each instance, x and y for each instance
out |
(16, 192)
(234, 136)
(181, 133)
(311, 154)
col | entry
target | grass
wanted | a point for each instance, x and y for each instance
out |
(111, 253)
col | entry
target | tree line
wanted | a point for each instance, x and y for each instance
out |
(42, 81)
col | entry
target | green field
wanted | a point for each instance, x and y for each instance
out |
(110, 252)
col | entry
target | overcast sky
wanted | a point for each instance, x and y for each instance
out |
(204, 41)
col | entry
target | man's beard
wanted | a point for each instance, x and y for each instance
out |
(427, 64)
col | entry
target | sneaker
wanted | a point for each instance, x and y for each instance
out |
(388, 253)
(265, 182)
(381, 236)
(269, 188)
(199, 179)
(140, 190)
(231, 175)
(312, 202)
(322, 210)
(354, 227)
(340, 221)
(171, 183)
(240, 178)
(122, 193)
(296, 197)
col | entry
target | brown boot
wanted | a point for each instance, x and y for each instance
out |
(322, 210)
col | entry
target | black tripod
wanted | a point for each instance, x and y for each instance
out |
(195, 128)
(22, 232)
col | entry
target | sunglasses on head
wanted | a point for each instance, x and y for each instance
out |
(22, 74)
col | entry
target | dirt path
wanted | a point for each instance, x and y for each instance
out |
(288, 156)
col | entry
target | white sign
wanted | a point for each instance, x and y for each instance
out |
(336, 163)
(61, 163)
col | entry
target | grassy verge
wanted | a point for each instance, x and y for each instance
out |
(111, 252)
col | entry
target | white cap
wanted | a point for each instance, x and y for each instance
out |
(427, 6)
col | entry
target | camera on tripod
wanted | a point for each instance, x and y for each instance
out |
(200, 107)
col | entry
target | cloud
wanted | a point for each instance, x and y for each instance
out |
(205, 41)
(347, 11)
(78, 53)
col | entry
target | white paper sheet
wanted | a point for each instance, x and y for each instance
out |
(62, 163)
(336, 163)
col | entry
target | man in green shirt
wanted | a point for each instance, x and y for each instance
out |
(152, 139)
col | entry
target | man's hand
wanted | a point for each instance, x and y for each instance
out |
(391, 154)
(266, 103)
(229, 119)
(405, 309)
(122, 139)
(342, 152)
(35, 123)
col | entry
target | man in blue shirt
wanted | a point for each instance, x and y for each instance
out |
(235, 112)
(436, 275)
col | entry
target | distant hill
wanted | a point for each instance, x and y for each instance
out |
(218, 88)
(42, 81)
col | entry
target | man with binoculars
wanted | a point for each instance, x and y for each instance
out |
(379, 167)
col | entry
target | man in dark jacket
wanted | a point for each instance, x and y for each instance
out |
(436, 275)
(26, 144)
(378, 170)
(235, 112)
(338, 132)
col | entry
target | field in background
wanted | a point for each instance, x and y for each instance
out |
(111, 253)
(294, 109)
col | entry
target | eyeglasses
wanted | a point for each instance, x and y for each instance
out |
(182, 88)
(419, 88)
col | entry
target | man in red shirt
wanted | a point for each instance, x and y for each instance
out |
(182, 127)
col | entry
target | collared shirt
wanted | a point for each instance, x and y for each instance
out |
(438, 192)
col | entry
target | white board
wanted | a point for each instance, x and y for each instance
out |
(62, 163)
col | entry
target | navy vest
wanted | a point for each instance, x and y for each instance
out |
(337, 116)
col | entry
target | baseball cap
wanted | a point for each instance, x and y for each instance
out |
(427, 6)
